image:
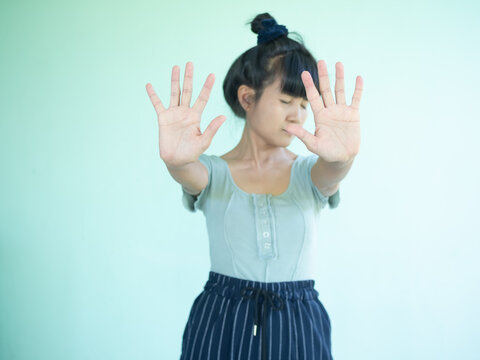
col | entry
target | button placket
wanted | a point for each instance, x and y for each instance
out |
(264, 237)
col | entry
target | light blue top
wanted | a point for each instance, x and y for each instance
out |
(262, 237)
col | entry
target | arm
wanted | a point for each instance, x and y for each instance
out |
(181, 143)
(327, 175)
(337, 127)
(192, 176)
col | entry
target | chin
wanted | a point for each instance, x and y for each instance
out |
(285, 142)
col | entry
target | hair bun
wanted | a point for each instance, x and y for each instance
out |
(256, 24)
(267, 28)
(271, 30)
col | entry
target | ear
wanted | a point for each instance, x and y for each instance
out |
(246, 97)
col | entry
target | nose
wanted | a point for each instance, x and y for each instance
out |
(297, 116)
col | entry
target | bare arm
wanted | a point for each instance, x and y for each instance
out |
(327, 175)
(180, 140)
(192, 176)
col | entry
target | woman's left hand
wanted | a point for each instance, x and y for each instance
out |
(337, 125)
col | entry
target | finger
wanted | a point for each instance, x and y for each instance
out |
(307, 138)
(211, 129)
(357, 94)
(187, 84)
(325, 89)
(157, 104)
(339, 84)
(313, 96)
(175, 92)
(204, 94)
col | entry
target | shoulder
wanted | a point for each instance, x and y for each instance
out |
(306, 162)
(207, 160)
(215, 166)
(196, 202)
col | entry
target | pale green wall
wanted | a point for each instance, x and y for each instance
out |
(98, 257)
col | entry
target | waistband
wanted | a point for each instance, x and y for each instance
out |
(272, 294)
(231, 287)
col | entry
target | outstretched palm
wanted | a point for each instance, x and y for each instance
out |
(180, 138)
(337, 125)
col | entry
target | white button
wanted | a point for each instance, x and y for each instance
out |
(264, 222)
(267, 245)
(266, 234)
(263, 212)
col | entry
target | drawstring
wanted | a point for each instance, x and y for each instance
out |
(268, 296)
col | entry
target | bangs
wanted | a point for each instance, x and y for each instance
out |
(289, 68)
(281, 60)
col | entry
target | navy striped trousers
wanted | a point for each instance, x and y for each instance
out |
(237, 319)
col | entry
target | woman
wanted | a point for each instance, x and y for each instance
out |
(260, 200)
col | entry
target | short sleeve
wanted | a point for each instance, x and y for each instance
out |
(332, 200)
(195, 202)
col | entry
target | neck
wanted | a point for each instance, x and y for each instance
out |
(254, 148)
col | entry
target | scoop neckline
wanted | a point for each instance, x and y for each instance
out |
(290, 185)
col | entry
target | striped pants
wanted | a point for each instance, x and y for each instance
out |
(237, 319)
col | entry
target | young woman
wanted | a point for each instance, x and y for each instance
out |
(260, 200)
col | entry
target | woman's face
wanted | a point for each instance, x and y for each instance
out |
(273, 111)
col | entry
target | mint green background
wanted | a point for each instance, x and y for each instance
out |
(100, 260)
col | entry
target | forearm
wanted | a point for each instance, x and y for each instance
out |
(327, 175)
(193, 176)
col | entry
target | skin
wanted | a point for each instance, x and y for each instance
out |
(260, 163)
(181, 141)
(264, 138)
(337, 125)
(336, 139)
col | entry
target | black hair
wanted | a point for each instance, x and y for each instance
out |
(261, 65)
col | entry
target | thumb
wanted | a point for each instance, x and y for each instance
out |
(211, 130)
(307, 138)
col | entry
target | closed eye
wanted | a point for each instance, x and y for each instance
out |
(288, 102)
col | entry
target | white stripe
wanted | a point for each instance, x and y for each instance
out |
(234, 328)
(244, 325)
(198, 327)
(328, 330)
(295, 329)
(206, 326)
(281, 321)
(323, 334)
(233, 331)
(259, 350)
(280, 316)
(311, 329)
(289, 331)
(251, 334)
(303, 332)
(269, 287)
(270, 336)
(192, 320)
(221, 333)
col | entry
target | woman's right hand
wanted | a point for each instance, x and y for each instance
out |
(180, 138)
